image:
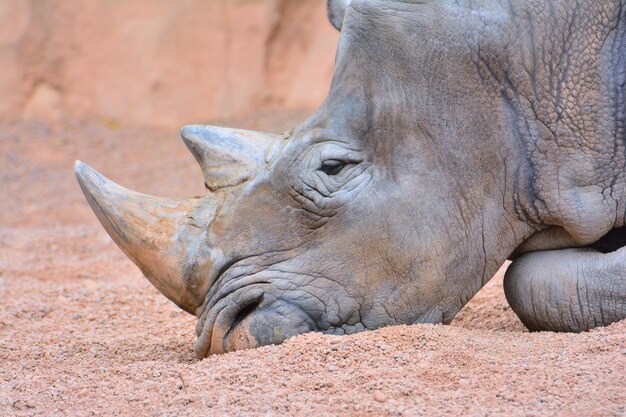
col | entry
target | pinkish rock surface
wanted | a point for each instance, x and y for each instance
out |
(147, 63)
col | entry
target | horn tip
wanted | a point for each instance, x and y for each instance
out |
(195, 138)
(78, 166)
(83, 172)
(91, 182)
(191, 133)
(80, 169)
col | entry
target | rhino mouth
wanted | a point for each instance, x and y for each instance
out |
(222, 315)
(252, 315)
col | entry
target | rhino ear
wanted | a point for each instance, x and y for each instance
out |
(336, 12)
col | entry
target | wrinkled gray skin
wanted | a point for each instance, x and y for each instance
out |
(456, 134)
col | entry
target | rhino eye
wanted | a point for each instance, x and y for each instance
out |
(332, 166)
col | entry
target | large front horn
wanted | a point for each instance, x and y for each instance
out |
(163, 237)
(228, 157)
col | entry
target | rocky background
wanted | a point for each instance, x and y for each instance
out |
(161, 63)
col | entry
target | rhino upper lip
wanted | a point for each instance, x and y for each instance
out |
(220, 292)
(244, 311)
(241, 302)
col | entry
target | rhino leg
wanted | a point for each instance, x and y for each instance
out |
(568, 290)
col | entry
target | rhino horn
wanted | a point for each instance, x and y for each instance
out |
(228, 157)
(162, 236)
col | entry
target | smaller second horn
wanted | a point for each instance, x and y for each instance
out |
(228, 157)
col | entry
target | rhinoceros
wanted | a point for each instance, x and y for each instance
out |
(456, 134)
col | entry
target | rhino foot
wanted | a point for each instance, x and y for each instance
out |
(568, 290)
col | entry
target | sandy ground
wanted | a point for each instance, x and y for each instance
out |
(82, 333)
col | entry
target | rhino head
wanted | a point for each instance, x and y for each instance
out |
(384, 207)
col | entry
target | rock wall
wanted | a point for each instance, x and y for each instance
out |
(161, 62)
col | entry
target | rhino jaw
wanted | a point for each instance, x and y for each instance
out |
(163, 237)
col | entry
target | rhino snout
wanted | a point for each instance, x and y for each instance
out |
(249, 318)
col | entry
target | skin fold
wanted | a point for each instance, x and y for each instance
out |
(455, 135)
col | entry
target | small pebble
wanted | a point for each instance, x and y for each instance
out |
(156, 374)
(379, 396)
(335, 341)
